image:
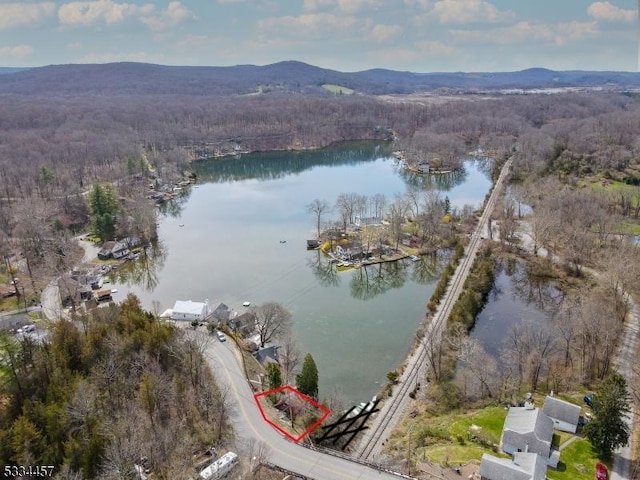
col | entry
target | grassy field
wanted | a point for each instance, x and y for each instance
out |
(581, 465)
(337, 89)
(447, 440)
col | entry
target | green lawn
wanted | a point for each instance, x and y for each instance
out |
(337, 89)
(577, 462)
(446, 439)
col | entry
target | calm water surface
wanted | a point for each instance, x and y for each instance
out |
(516, 298)
(224, 244)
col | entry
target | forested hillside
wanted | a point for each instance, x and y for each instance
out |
(105, 391)
(288, 77)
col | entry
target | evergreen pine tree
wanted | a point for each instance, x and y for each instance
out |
(307, 380)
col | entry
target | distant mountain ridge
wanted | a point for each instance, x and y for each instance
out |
(288, 76)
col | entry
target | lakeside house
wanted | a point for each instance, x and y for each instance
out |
(222, 313)
(244, 324)
(267, 355)
(348, 250)
(364, 221)
(523, 466)
(565, 415)
(190, 311)
(528, 429)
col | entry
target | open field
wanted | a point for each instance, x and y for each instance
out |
(337, 89)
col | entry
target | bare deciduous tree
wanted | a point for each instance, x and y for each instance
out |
(272, 321)
(318, 208)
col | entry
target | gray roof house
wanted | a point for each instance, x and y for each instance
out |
(245, 324)
(222, 313)
(565, 415)
(267, 355)
(523, 466)
(528, 429)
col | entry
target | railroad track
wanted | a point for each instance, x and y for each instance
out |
(391, 410)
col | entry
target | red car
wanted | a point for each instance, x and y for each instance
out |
(601, 472)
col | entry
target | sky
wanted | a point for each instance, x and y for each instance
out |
(345, 35)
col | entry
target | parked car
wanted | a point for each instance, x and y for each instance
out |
(588, 399)
(221, 336)
(601, 472)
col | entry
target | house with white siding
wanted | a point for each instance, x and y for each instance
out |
(565, 415)
(189, 311)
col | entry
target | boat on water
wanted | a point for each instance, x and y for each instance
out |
(414, 258)
(246, 304)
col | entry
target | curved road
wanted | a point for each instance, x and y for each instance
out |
(249, 424)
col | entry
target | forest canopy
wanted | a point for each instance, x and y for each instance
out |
(98, 395)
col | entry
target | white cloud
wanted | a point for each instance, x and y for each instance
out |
(85, 13)
(346, 6)
(468, 11)
(381, 33)
(19, 51)
(107, 11)
(525, 33)
(174, 14)
(20, 14)
(608, 12)
(307, 24)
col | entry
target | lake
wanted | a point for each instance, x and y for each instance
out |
(240, 235)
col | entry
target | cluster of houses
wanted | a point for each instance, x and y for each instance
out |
(165, 193)
(119, 249)
(527, 436)
(242, 323)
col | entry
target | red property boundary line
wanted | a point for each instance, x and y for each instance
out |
(306, 398)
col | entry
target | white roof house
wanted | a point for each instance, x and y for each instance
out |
(528, 429)
(523, 466)
(565, 415)
(189, 311)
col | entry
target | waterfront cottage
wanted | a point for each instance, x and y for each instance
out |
(190, 311)
(244, 324)
(222, 313)
(106, 251)
(565, 415)
(348, 250)
(523, 466)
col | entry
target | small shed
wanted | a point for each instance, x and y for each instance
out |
(189, 311)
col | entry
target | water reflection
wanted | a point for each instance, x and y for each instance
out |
(323, 269)
(173, 208)
(426, 270)
(441, 181)
(275, 165)
(145, 270)
(519, 297)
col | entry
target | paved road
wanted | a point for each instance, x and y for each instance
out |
(625, 361)
(249, 424)
(392, 410)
